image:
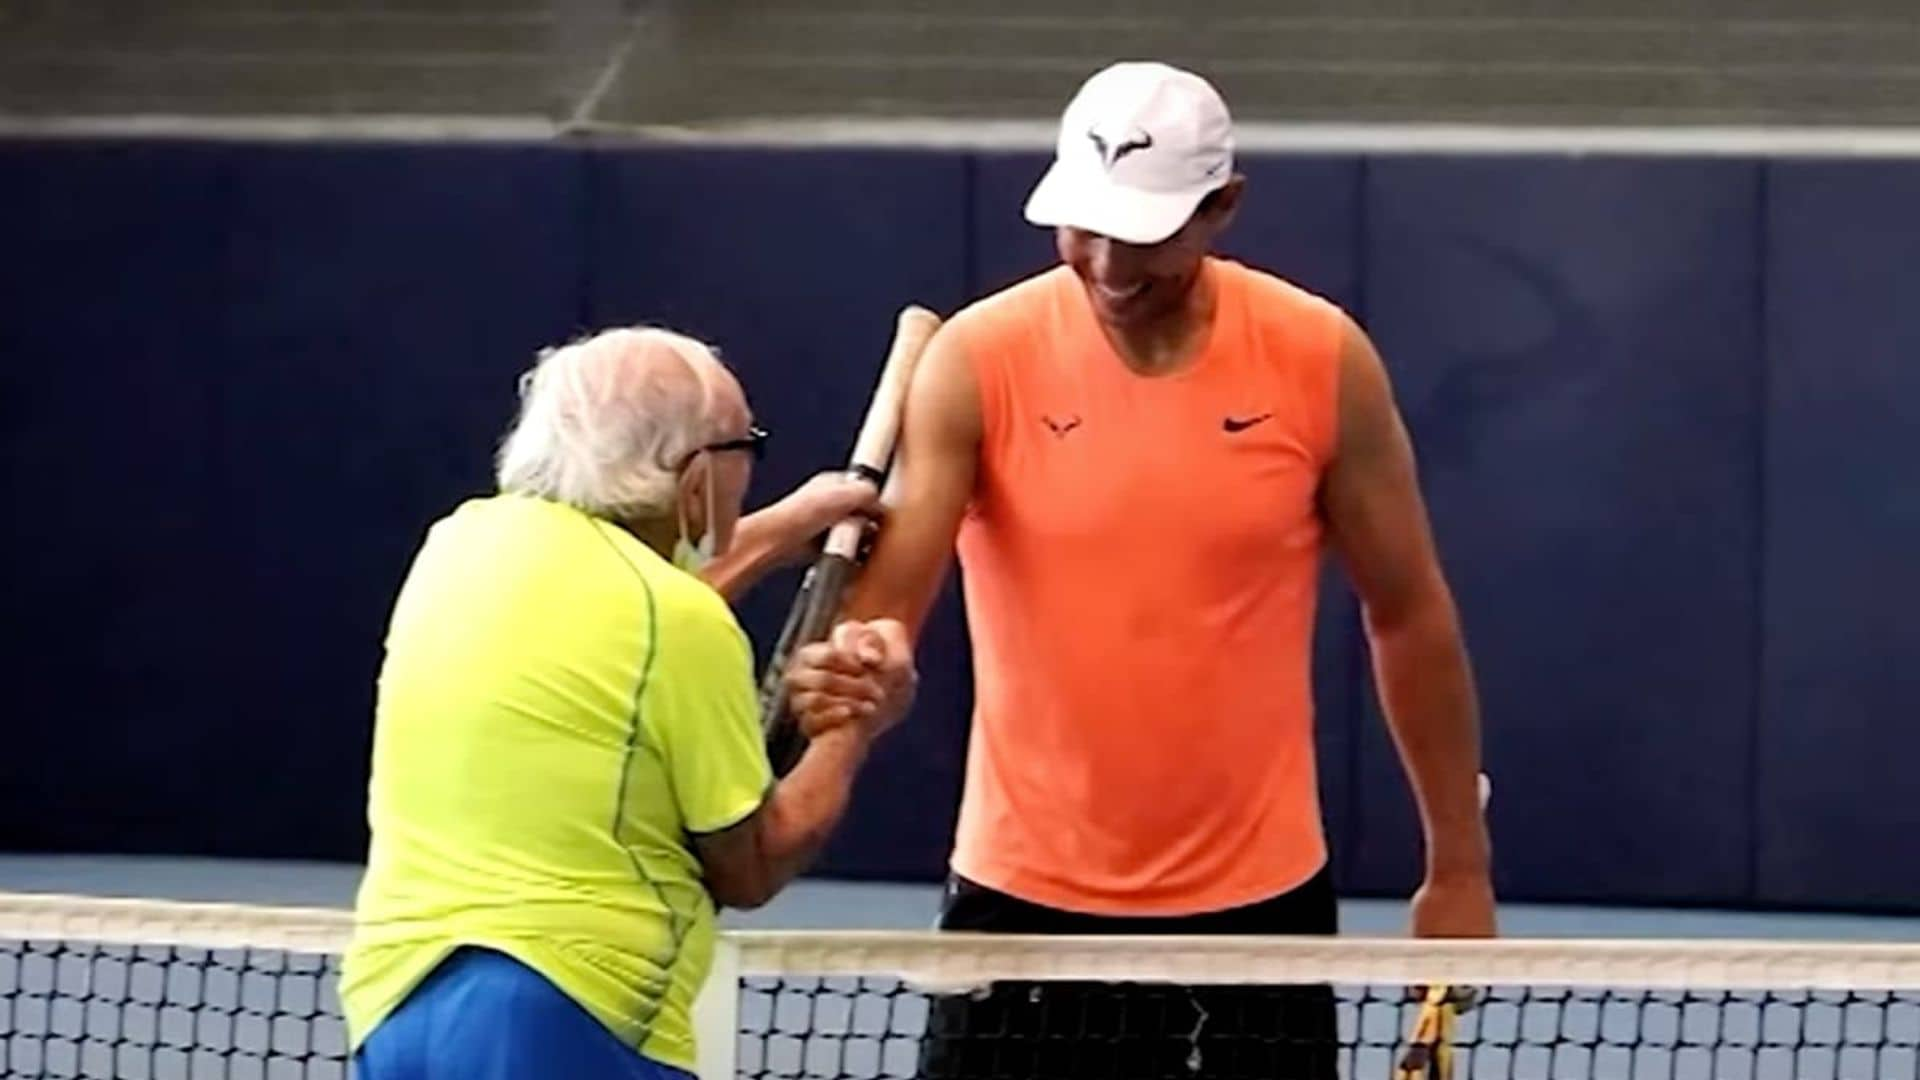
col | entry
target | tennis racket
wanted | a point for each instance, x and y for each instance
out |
(817, 604)
(1429, 1053)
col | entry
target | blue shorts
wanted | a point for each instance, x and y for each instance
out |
(482, 1015)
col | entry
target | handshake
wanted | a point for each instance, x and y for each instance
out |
(860, 681)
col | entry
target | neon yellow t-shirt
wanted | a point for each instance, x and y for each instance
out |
(559, 709)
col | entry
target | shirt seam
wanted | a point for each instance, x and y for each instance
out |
(678, 925)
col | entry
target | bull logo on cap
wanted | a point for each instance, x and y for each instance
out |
(1111, 153)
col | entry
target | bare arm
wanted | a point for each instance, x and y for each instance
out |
(928, 491)
(1378, 523)
(759, 547)
(749, 864)
(845, 692)
(779, 535)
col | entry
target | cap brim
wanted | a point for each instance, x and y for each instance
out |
(1087, 200)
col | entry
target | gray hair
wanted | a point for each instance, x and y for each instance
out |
(606, 422)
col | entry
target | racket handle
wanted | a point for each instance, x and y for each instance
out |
(784, 746)
(810, 621)
(773, 678)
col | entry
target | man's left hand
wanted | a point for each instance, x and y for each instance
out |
(783, 534)
(822, 502)
(1455, 905)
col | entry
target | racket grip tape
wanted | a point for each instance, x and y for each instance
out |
(810, 621)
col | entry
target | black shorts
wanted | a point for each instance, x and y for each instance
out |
(1082, 1031)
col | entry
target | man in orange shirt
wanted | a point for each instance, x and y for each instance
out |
(1141, 454)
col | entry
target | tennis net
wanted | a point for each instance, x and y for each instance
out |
(167, 991)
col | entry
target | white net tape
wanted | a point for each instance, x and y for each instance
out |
(963, 959)
(163, 990)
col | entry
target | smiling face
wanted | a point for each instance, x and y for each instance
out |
(1131, 285)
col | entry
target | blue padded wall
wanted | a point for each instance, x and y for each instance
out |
(1835, 820)
(246, 380)
(1574, 344)
(382, 303)
(796, 265)
(111, 272)
(1661, 408)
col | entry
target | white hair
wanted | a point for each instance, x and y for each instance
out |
(606, 423)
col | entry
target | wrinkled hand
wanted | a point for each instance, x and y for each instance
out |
(861, 678)
(822, 502)
(1455, 906)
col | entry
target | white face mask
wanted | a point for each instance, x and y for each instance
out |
(690, 555)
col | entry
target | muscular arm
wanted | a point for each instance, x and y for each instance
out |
(1378, 524)
(932, 481)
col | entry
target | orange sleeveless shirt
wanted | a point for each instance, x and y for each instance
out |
(1140, 563)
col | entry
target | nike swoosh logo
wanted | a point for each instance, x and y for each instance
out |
(1233, 424)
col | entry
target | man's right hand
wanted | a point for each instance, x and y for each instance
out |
(861, 679)
(844, 692)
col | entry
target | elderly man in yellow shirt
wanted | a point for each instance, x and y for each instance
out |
(568, 766)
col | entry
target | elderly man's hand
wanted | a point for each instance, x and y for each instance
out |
(861, 678)
(816, 506)
(784, 533)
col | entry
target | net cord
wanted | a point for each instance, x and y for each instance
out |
(961, 960)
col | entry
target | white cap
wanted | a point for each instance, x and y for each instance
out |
(1140, 145)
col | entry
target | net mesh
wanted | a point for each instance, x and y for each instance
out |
(157, 991)
(972, 1006)
(85, 1010)
(800, 1026)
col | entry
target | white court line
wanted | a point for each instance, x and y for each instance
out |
(1396, 139)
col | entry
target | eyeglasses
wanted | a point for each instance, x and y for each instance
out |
(754, 442)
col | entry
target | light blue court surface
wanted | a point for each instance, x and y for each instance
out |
(833, 905)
